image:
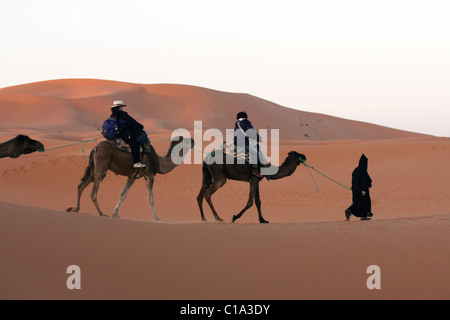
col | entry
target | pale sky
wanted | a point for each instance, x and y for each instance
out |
(384, 62)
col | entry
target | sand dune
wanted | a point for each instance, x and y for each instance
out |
(80, 106)
(307, 252)
(125, 259)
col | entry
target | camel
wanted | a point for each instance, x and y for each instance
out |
(106, 156)
(19, 145)
(215, 176)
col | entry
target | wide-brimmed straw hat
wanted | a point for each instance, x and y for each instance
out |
(118, 103)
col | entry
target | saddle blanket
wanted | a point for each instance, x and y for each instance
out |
(236, 153)
(122, 145)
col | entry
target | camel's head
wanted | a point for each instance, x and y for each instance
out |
(188, 142)
(29, 145)
(300, 158)
(179, 148)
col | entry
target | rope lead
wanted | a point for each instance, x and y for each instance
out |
(317, 187)
(73, 144)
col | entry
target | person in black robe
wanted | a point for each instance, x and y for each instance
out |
(361, 183)
(129, 130)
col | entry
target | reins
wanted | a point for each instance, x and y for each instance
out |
(303, 161)
(72, 144)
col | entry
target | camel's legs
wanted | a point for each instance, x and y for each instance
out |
(81, 188)
(253, 187)
(123, 195)
(200, 197)
(258, 206)
(98, 177)
(209, 192)
(151, 200)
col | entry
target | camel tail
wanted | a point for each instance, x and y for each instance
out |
(207, 178)
(90, 167)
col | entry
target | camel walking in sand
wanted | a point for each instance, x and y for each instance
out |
(106, 156)
(19, 145)
(215, 176)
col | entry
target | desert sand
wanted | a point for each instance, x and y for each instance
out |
(307, 251)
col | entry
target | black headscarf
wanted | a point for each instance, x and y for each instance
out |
(361, 178)
(363, 163)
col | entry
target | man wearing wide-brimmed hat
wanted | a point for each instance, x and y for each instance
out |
(129, 130)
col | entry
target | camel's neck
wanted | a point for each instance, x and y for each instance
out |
(285, 170)
(164, 164)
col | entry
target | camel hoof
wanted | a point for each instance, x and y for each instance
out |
(72, 209)
(219, 219)
(234, 219)
(263, 221)
(104, 215)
